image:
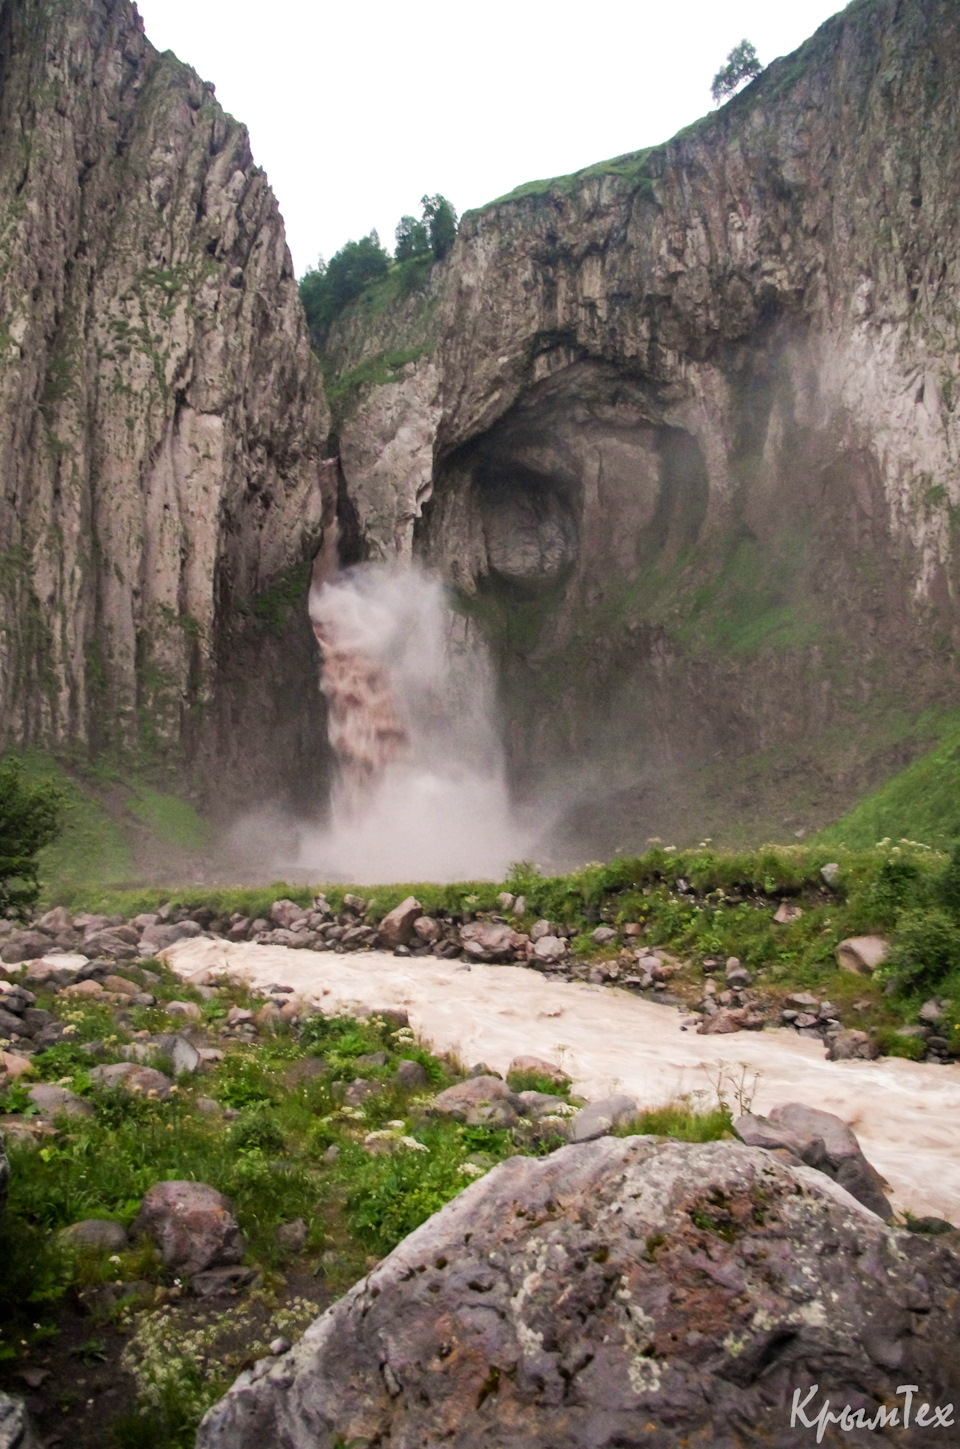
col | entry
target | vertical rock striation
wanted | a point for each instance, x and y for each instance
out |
(162, 423)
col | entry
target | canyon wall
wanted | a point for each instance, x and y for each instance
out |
(162, 422)
(682, 431)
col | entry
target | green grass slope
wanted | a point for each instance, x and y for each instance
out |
(921, 803)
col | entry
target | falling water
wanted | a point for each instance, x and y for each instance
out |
(421, 791)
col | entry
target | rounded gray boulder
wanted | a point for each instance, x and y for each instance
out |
(625, 1292)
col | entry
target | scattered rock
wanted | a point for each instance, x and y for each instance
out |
(51, 1100)
(830, 874)
(24, 946)
(411, 1075)
(100, 1233)
(540, 1066)
(157, 938)
(862, 953)
(192, 1225)
(852, 1046)
(539, 929)
(133, 1078)
(787, 913)
(285, 912)
(823, 1141)
(16, 1427)
(359, 1089)
(479, 1101)
(730, 1019)
(930, 1011)
(599, 1118)
(549, 948)
(15, 1065)
(121, 985)
(114, 944)
(397, 926)
(603, 935)
(218, 1282)
(426, 930)
(489, 941)
(933, 1226)
(292, 1235)
(614, 1285)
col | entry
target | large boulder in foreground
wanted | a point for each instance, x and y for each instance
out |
(624, 1292)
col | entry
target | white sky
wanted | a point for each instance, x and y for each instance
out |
(356, 109)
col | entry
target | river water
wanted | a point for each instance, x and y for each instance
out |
(906, 1114)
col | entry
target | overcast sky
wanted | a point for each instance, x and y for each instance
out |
(355, 110)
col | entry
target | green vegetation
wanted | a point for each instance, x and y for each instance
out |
(743, 63)
(922, 801)
(171, 819)
(434, 234)
(282, 596)
(108, 821)
(327, 288)
(638, 167)
(372, 372)
(31, 816)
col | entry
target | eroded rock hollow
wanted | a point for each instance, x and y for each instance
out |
(681, 430)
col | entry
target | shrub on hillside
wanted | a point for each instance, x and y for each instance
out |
(31, 816)
(329, 287)
(926, 950)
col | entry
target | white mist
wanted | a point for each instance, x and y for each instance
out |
(422, 792)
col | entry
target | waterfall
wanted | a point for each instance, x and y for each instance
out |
(421, 792)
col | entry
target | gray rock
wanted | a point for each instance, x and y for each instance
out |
(603, 935)
(426, 929)
(541, 1104)
(830, 874)
(192, 1225)
(490, 940)
(133, 1078)
(50, 1100)
(16, 1427)
(292, 1235)
(397, 926)
(219, 1282)
(479, 1101)
(159, 937)
(24, 946)
(100, 1233)
(11, 1025)
(862, 954)
(598, 1118)
(852, 1045)
(411, 1075)
(284, 913)
(549, 948)
(539, 929)
(930, 1011)
(822, 1141)
(619, 1292)
(56, 921)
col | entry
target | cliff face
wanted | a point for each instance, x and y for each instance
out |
(162, 423)
(686, 434)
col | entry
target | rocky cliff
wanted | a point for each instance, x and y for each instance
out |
(682, 431)
(162, 423)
